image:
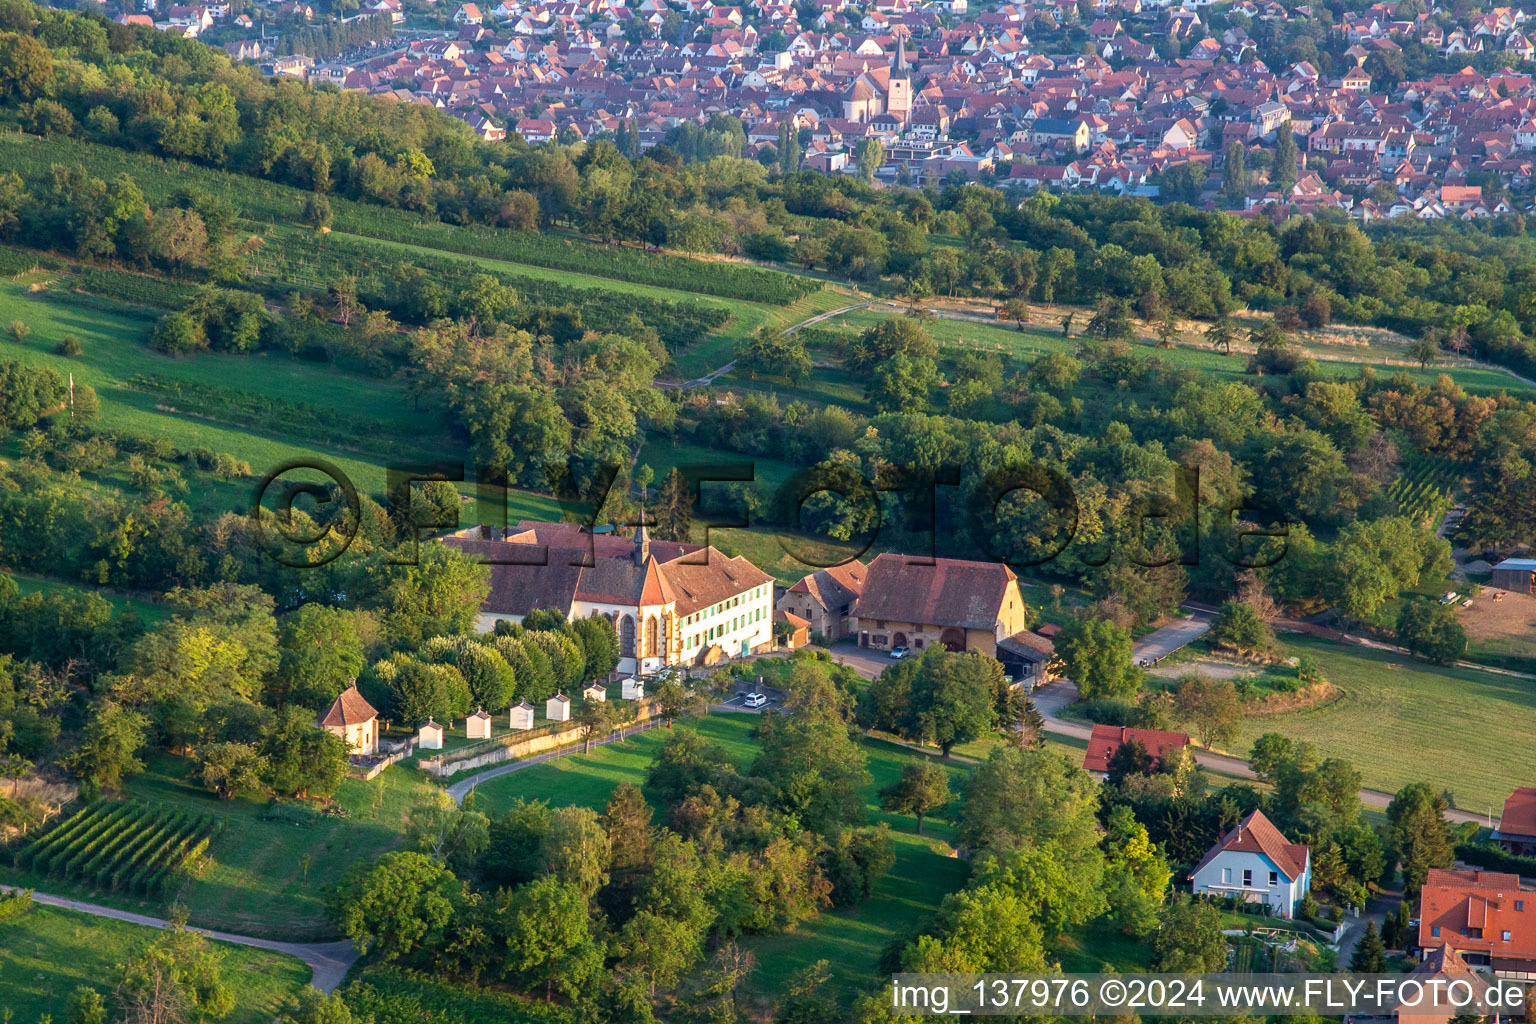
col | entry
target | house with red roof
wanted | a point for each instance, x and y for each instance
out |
(1106, 741)
(1483, 915)
(1256, 864)
(1517, 825)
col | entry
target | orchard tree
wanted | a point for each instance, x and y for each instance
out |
(1211, 706)
(395, 906)
(177, 980)
(109, 747)
(229, 769)
(1189, 938)
(1096, 655)
(1432, 631)
(1239, 627)
(923, 786)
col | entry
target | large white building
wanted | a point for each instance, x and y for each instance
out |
(670, 603)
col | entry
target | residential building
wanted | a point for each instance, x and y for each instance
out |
(1106, 740)
(1256, 864)
(1517, 825)
(1483, 915)
(914, 602)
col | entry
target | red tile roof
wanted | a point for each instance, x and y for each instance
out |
(941, 591)
(348, 709)
(1106, 739)
(1257, 834)
(1474, 910)
(1519, 817)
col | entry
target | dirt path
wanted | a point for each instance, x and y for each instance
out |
(328, 961)
(715, 374)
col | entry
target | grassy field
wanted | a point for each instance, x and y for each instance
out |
(256, 882)
(715, 350)
(46, 954)
(852, 940)
(112, 336)
(1469, 729)
(149, 612)
(1188, 353)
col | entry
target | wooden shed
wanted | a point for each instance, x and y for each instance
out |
(1516, 574)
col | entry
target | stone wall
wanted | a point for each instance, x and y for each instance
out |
(516, 748)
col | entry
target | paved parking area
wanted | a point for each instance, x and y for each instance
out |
(863, 660)
(738, 700)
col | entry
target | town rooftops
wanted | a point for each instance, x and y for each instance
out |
(349, 708)
(1257, 834)
(1107, 739)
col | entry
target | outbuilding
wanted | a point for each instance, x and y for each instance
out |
(478, 725)
(520, 716)
(633, 689)
(595, 692)
(430, 737)
(1516, 574)
(558, 708)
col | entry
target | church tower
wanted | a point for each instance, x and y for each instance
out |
(898, 95)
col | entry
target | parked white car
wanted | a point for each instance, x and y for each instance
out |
(756, 700)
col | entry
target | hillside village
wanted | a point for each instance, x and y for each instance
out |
(1030, 95)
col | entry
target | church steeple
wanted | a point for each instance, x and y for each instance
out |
(642, 542)
(900, 68)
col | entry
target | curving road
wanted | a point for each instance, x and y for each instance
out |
(328, 961)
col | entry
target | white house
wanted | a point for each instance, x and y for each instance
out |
(430, 737)
(595, 692)
(1257, 864)
(558, 708)
(634, 689)
(520, 716)
(478, 725)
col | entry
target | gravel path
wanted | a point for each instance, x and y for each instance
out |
(329, 961)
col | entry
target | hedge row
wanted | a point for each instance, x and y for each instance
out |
(1485, 853)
